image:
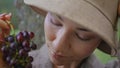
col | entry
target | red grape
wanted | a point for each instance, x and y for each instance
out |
(27, 49)
(22, 52)
(8, 59)
(26, 43)
(25, 34)
(16, 48)
(30, 58)
(31, 34)
(10, 39)
(12, 62)
(19, 37)
(13, 45)
(4, 49)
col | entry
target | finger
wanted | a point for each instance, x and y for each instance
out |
(8, 16)
(3, 25)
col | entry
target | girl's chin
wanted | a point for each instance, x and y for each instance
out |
(58, 62)
(55, 61)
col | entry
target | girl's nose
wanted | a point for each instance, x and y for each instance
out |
(61, 42)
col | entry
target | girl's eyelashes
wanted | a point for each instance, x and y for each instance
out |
(83, 38)
(55, 22)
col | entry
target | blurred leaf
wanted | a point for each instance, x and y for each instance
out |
(104, 58)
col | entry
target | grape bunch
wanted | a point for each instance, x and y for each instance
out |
(15, 50)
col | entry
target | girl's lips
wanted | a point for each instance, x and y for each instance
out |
(57, 56)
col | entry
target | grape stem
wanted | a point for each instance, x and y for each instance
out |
(11, 26)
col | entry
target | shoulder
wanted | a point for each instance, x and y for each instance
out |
(113, 64)
(93, 62)
(41, 58)
(39, 52)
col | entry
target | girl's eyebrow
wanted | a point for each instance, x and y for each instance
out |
(83, 29)
(59, 17)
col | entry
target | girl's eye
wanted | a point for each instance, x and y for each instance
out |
(83, 38)
(54, 22)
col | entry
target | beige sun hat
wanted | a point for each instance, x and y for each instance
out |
(98, 16)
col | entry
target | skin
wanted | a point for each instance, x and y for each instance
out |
(68, 42)
(4, 28)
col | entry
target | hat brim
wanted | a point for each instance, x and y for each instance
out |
(86, 15)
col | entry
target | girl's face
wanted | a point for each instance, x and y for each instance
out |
(68, 41)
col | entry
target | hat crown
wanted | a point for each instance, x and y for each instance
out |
(107, 7)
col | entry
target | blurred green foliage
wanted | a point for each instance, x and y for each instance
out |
(7, 6)
(104, 58)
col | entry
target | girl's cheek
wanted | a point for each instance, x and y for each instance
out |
(49, 32)
(82, 49)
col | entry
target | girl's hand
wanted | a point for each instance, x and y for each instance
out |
(4, 31)
(4, 25)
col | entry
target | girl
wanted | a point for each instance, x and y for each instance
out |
(73, 30)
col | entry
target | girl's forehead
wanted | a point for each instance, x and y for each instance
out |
(71, 24)
(64, 19)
